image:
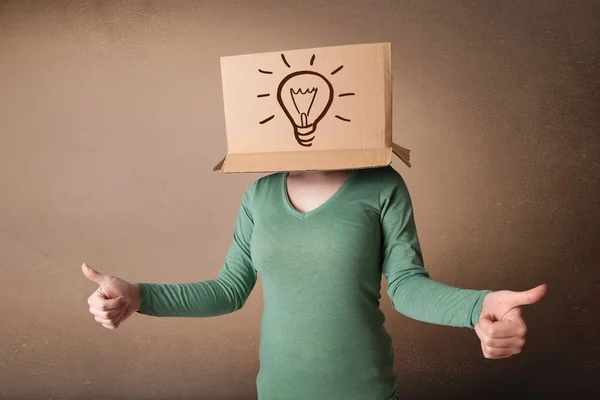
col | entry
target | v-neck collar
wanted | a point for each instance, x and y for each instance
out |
(303, 215)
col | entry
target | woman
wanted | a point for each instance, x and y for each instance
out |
(321, 242)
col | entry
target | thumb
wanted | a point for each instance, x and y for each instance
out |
(530, 296)
(93, 275)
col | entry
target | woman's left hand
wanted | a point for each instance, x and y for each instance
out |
(501, 327)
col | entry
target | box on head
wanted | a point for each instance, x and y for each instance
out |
(319, 109)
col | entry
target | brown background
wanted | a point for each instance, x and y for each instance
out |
(110, 122)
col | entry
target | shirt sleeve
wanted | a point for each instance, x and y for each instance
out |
(223, 295)
(412, 291)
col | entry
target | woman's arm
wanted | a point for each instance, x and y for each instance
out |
(223, 295)
(412, 291)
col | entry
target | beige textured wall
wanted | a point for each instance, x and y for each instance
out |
(111, 120)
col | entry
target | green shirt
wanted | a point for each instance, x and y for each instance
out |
(322, 334)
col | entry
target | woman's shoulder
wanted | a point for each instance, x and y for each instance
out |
(264, 184)
(386, 175)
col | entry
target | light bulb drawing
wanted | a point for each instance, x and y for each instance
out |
(305, 96)
(305, 107)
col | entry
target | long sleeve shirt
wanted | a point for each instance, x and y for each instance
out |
(322, 332)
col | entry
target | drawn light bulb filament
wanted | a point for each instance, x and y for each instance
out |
(303, 101)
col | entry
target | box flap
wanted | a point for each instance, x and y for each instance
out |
(315, 161)
(402, 153)
(325, 160)
(219, 166)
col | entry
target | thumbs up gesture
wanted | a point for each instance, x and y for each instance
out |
(501, 327)
(115, 299)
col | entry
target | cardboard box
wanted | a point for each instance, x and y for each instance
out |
(319, 109)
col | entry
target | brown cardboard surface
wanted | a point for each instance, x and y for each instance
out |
(326, 108)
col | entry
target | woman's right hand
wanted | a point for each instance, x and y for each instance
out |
(114, 301)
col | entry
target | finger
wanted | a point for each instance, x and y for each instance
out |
(116, 315)
(100, 302)
(507, 343)
(96, 298)
(93, 275)
(111, 323)
(479, 332)
(117, 320)
(110, 313)
(530, 296)
(487, 317)
(484, 324)
(494, 353)
(102, 320)
(486, 354)
(502, 329)
(496, 356)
